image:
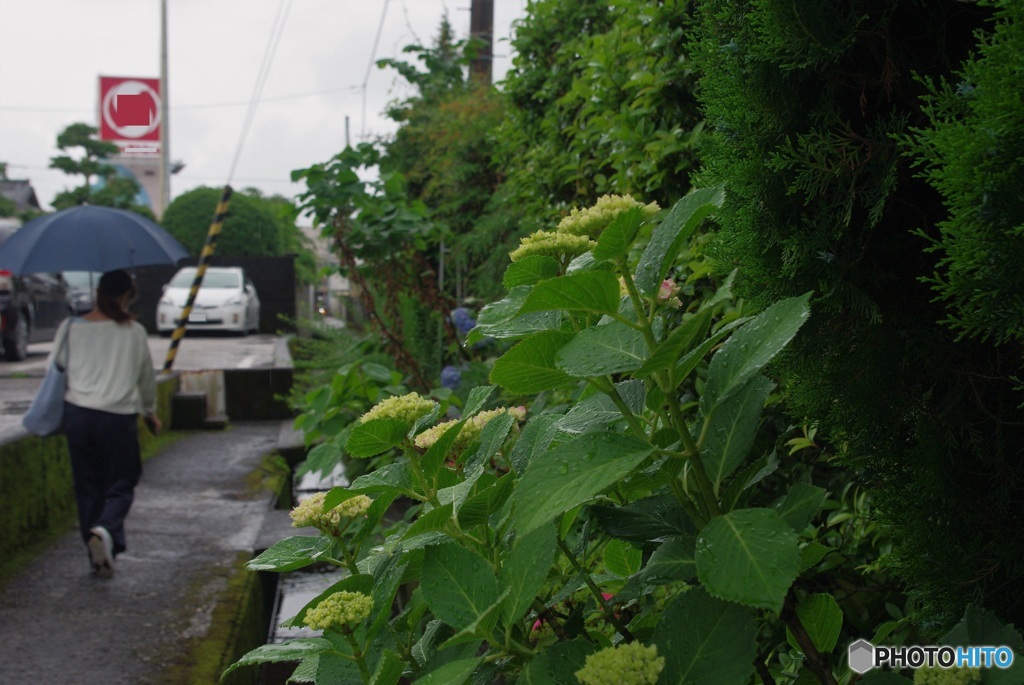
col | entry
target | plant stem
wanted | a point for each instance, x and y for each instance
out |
(762, 670)
(815, 661)
(608, 388)
(596, 591)
(360, 658)
(638, 305)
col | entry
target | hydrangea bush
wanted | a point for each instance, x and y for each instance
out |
(617, 528)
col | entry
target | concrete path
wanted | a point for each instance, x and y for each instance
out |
(194, 515)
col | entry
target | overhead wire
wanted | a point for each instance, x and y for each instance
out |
(261, 79)
(373, 59)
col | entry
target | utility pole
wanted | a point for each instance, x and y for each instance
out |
(165, 124)
(481, 28)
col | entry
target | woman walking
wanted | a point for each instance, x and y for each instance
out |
(110, 382)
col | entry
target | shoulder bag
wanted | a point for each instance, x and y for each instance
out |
(46, 413)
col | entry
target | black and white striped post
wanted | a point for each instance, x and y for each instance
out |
(208, 247)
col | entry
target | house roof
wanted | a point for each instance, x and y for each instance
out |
(21, 193)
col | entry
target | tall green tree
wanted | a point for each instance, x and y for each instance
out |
(87, 156)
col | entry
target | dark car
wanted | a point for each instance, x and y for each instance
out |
(31, 308)
(81, 287)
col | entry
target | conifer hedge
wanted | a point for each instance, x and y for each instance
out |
(863, 160)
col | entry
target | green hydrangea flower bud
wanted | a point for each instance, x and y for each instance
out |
(310, 511)
(624, 664)
(405, 408)
(592, 221)
(561, 246)
(470, 430)
(947, 676)
(339, 610)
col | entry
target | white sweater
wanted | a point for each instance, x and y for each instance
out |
(110, 368)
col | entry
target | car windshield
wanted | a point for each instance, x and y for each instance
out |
(82, 279)
(212, 279)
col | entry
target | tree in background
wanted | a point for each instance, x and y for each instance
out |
(7, 207)
(253, 226)
(90, 161)
(809, 107)
(600, 100)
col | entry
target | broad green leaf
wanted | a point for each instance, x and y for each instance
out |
(535, 439)
(748, 477)
(706, 641)
(482, 627)
(672, 561)
(644, 520)
(291, 553)
(529, 367)
(751, 348)
(456, 494)
(731, 430)
(388, 478)
(389, 669)
(557, 665)
(499, 319)
(294, 650)
(525, 569)
(598, 409)
(584, 262)
(517, 327)
(822, 618)
(680, 341)
(812, 553)
(621, 558)
(458, 585)
(616, 239)
(749, 556)
(671, 234)
(452, 673)
(693, 358)
(425, 421)
(800, 505)
(377, 372)
(386, 581)
(492, 437)
(373, 437)
(434, 458)
(435, 519)
(573, 473)
(981, 627)
(586, 291)
(478, 508)
(601, 350)
(530, 270)
(477, 398)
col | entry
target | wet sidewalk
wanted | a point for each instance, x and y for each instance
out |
(195, 516)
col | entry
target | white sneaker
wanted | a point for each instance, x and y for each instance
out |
(101, 552)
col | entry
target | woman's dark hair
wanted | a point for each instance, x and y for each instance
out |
(112, 288)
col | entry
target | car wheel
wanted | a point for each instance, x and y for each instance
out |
(16, 342)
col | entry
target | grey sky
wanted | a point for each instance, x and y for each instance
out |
(52, 53)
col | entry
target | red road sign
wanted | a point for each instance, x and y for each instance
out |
(130, 110)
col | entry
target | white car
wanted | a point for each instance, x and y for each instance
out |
(226, 301)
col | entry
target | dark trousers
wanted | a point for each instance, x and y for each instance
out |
(106, 466)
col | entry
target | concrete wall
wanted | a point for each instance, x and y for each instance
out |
(274, 278)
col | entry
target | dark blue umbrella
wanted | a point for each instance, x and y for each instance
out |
(88, 238)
